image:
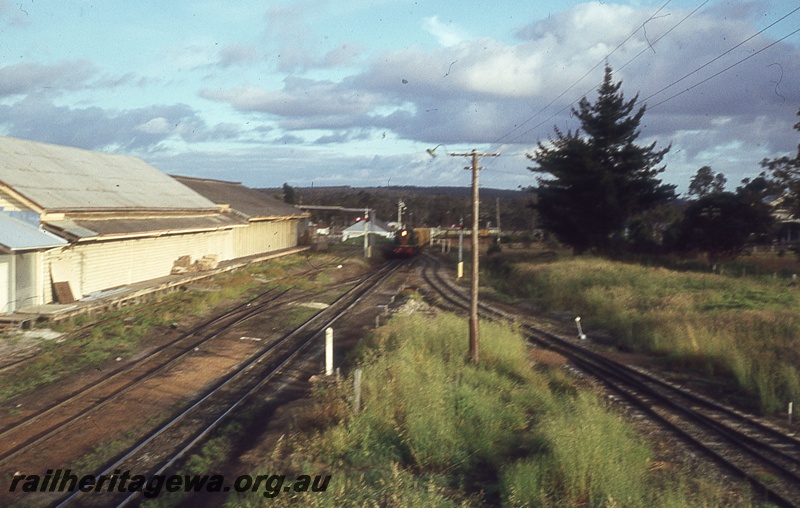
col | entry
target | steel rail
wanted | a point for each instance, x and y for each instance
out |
(622, 378)
(83, 330)
(84, 392)
(345, 302)
(217, 326)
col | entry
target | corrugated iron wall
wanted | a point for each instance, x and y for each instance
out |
(102, 265)
(264, 236)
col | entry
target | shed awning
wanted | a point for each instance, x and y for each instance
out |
(16, 235)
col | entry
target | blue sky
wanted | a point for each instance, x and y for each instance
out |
(352, 93)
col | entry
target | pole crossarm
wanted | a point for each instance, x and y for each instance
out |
(474, 330)
(474, 153)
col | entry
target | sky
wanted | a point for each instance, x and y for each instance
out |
(324, 92)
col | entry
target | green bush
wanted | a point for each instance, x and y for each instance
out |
(436, 430)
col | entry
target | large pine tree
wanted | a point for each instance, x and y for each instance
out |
(599, 177)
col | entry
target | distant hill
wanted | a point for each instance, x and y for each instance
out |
(402, 191)
(426, 206)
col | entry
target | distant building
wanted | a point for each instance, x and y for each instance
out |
(373, 226)
(788, 224)
(74, 222)
(321, 229)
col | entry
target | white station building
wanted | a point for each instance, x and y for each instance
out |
(74, 222)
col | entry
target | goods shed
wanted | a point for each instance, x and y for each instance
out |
(272, 224)
(95, 221)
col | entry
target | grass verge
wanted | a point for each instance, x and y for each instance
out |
(436, 430)
(741, 332)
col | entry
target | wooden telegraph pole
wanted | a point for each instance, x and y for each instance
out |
(474, 332)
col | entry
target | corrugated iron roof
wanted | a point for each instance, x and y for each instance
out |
(249, 202)
(60, 178)
(84, 229)
(16, 235)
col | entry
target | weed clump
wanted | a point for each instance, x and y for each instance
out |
(436, 430)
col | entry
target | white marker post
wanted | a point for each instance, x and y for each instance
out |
(790, 412)
(357, 391)
(329, 351)
(461, 250)
(581, 335)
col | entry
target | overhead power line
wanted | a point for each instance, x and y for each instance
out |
(527, 131)
(573, 85)
(650, 45)
(502, 139)
(726, 69)
(725, 53)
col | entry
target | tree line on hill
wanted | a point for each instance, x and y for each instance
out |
(424, 206)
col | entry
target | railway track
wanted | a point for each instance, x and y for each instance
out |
(19, 437)
(25, 445)
(755, 450)
(173, 438)
(86, 329)
(22, 434)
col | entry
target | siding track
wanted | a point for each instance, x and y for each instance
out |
(56, 436)
(766, 456)
(24, 434)
(179, 434)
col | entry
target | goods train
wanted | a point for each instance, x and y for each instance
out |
(408, 242)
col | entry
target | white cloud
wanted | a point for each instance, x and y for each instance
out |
(299, 98)
(158, 125)
(466, 91)
(486, 91)
(448, 34)
(342, 56)
(141, 130)
(188, 56)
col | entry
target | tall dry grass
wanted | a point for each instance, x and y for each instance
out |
(744, 332)
(436, 430)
